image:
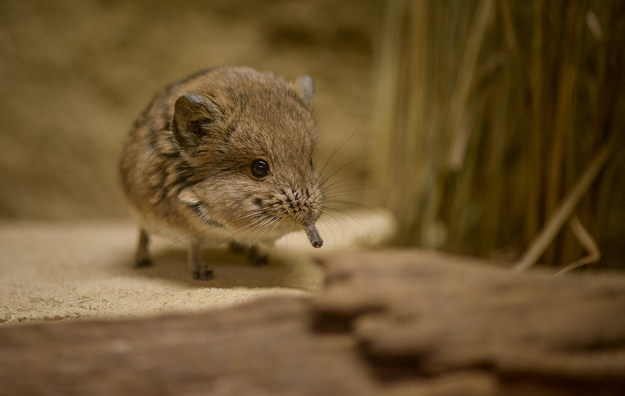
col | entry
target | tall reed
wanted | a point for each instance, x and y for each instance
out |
(489, 113)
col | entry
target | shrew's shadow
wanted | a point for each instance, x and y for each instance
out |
(232, 270)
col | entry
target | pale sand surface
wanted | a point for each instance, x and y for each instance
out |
(83, 269)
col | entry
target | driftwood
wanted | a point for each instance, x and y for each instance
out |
(262, 348)
(431, 314)
(389, 323)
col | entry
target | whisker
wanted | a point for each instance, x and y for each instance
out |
(337, 148)
(186, 238)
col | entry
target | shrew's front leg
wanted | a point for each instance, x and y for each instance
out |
(198, 269)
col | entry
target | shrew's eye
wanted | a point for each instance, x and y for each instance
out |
(260, 168)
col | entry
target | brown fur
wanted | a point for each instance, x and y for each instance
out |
(186, 166)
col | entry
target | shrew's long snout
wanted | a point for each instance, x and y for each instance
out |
(313, 235)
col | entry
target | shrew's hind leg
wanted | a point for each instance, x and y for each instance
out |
(199, 270)
(253, 255)
(142, 256)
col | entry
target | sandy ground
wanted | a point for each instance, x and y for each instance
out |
(83, 269)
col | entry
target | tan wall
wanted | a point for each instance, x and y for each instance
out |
(75, 74)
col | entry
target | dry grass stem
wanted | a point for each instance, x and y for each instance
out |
(488, 112)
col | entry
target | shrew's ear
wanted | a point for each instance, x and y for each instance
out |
(193, 118)
(305, 87)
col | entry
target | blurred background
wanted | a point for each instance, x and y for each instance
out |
(507, 118)
(75, 75)
(474, 122)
